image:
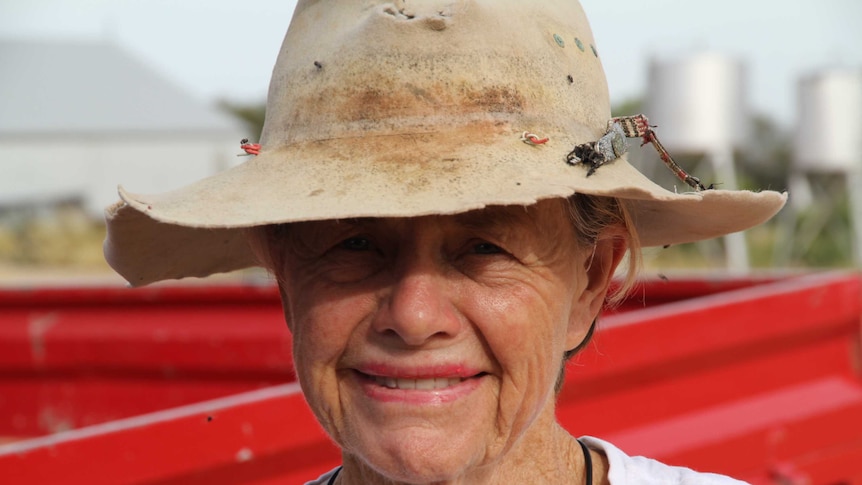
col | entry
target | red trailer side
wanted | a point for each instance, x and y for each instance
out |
(759, 379)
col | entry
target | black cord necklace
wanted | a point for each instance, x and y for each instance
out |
(588, 463)
(333, 477)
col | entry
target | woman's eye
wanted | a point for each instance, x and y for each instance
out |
(356, 244)
(487, 248)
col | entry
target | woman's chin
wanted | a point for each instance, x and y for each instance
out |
(417, 457)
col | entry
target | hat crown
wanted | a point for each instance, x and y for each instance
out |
(352, 68)
(411, 108)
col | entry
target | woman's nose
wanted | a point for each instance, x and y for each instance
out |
(418, 308)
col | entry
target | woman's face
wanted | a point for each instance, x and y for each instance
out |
(429, 346)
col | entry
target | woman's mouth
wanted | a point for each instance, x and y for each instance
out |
(418, 384)
(418, 390)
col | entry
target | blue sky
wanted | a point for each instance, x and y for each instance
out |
(221, 48)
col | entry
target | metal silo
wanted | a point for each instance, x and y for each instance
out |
(698, 103)
(827, 153)
(829, 124)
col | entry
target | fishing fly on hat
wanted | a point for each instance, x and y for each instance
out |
(409, 108)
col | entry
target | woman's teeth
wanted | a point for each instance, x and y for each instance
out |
(419, 384)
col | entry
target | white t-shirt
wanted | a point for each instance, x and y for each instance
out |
(637, 470)
(628, 470)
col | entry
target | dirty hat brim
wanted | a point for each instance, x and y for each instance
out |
(403, 109)
(198, 230)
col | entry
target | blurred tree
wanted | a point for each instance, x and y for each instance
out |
(252, 114)
(766, 159)
(815, 236)
(628, 107)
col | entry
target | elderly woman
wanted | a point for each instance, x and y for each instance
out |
(443, 201)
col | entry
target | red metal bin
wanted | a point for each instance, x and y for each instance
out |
(760, 379)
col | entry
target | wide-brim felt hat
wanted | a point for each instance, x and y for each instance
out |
(410, 108)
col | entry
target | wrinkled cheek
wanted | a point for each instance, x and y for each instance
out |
(315, 366)
(524, 394)
(320, 389)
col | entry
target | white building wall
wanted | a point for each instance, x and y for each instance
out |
(90, 168)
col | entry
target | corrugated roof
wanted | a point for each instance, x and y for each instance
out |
(93, 87)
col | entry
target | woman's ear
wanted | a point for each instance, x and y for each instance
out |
(607, 254)
(599, 268)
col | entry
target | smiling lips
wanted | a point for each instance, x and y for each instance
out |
(426, 386)
(418, 379)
